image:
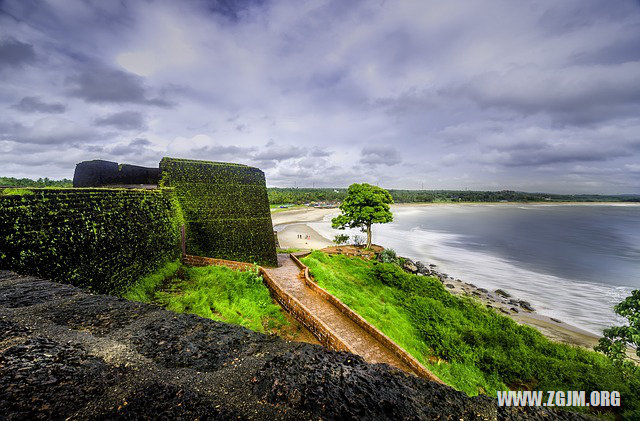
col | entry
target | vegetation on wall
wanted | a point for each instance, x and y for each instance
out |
(225, 207)
(100, 239)
(468, 346)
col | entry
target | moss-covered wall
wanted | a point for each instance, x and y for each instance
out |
(101, 239)
(226, 209)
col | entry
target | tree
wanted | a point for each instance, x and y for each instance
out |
(364, 205)
(616, 339)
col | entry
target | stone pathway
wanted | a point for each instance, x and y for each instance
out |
(288, 276)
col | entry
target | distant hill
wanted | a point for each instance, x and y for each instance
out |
(279, 195)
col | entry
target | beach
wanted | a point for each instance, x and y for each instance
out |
(293, 232)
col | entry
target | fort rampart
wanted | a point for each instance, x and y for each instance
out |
(100, 239)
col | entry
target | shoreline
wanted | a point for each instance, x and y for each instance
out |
(518, 310)
(401, 205)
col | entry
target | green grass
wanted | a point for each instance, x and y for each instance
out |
(476, 350)
(289, 250)
(277, 208)
(144, 290)
(214, 292)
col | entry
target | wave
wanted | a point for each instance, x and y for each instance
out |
(587, 305)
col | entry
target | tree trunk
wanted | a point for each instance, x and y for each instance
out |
(368, 236)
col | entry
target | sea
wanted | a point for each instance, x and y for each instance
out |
(572, 262)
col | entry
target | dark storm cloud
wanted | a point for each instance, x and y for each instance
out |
(140, 142)
(221, 152)
(32, 104)
(380, 156)
(14, 53)
(136, 146)
(231, 9)
(622, 50)
(124, 120)
(565, 17)
(49, 131)
(533, 148)
(101, 84)
(274, 152)
(549, 155)
(574, 95)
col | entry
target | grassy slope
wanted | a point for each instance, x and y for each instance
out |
(214, 292)
(483, 351)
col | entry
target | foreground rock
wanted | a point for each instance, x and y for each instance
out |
(68, 354)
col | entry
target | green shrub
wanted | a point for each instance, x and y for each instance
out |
(341, 239)
(390, 274)
(388, 256)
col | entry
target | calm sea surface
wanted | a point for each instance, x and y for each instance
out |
(573, 262)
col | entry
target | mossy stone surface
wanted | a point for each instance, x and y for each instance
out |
(100, 239)
(226, 209)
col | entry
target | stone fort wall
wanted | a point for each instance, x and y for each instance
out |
(225, 207)
(100, 239)
(105, 239)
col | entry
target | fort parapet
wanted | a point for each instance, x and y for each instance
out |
(99, 173)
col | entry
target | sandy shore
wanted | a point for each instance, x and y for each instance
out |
(300, 215)
(302, 236)
(296, 234)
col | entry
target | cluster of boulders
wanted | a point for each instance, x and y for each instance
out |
(500, 300)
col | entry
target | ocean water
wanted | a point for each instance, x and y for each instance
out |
(572, 262)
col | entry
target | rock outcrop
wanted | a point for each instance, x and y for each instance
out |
(66, 353)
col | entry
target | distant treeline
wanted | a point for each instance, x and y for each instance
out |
(306, 195)
(278, 195)
(40, 182)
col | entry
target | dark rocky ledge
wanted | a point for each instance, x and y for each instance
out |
(66, 353)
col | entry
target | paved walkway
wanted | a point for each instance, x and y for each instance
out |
(288, 276)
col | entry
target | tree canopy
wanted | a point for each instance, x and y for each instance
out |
(363, 206)
(616, 339)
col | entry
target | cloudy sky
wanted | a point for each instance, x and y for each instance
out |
(493, 94)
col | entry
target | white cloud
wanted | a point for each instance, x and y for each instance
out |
(492, 94)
